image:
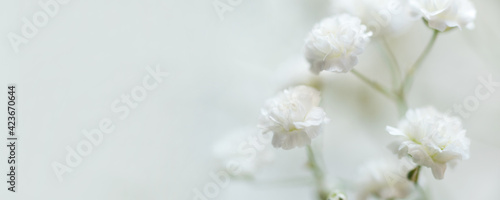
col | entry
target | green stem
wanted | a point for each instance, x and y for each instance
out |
(396, 71)
(402, 105)
(373, 84)
(396, 97)
(408, 79)
(394, 65)
(399, 95)
(318, 173)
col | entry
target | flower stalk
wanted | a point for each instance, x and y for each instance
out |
(317, 173)
(408, 79)
(399, 94)
(394, 65)
(374, 84)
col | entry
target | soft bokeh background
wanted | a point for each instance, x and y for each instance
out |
(221, 73)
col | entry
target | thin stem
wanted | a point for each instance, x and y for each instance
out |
(390, 66)
(396, 73)
(317, 172)
(408, 79)
(401, 103)
(373, 84)
(395, 69)
(399, 95)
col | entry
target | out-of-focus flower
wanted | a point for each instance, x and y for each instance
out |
(335, 43)
(247, 149)
(431, 139)
(382, 17)
(445, 14)
(337, 196)
(294, 117)
(383, 180)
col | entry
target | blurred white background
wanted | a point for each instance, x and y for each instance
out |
(220, 74)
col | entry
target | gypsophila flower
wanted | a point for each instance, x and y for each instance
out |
(294, 117)
(432, 139)
(384, 180)
(229, 150)
(337, 196)
(443, 15)
(382, 17)
(335, 43)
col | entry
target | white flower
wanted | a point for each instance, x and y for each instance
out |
(335, 43)
(382, 17)
(294, 117)
(384, 180)
(234, 148)
(445, 14)
(432, 139)
(337, 196)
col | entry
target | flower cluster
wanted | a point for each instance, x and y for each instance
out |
(294, 117)
(383, 179)
(426, 137)
(337, 196)
(431, 139)
(335, 43)
(443, 15)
